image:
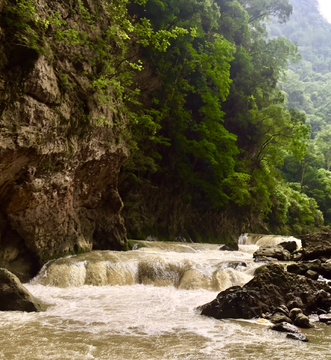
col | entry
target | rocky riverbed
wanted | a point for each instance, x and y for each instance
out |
(281, 292)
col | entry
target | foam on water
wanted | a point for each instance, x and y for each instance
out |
(141, 322)
(200, 266)
(144, 308)
(266, 240)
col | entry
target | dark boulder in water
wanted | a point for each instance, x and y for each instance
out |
(14, 296)
(292, 331)
(271, 287)
(302, 321)
(230, 247)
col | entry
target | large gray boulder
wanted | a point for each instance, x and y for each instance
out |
(14, 296)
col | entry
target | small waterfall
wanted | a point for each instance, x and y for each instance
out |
(266, 240)
(183, 266)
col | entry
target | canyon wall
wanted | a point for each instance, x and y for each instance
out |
(60, 149)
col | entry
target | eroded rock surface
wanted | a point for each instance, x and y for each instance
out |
(316, 245)
(60, 152)
(276, 252)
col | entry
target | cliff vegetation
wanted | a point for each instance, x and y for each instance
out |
(184, 93)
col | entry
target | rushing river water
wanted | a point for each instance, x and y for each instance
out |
(142, 305)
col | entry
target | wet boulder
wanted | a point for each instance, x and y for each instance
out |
(302, 267)
(277, 252)
(295, 303)
(316, 245)
(283, 309)
(280, 317)
(294, 313)
(302, 321)
(271, 287)
(292, 331)
(312, 274)
(289, 245)
(233, 246)
(14, 296)
(325, 318)
(297, 336)
(264, 259)
(326, 270)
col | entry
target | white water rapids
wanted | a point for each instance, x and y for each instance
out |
(141, 304)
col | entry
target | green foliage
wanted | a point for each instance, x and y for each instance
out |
(105, 46)
(293, 211)
(308, 89)
(220, 112)
(209, 127)
(25, 24)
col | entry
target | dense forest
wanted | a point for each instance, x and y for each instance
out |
(308, 88)
(225, 101)
(218, 147)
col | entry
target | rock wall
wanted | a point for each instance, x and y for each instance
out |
(58, 167)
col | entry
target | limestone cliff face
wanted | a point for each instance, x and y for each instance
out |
(58, 168)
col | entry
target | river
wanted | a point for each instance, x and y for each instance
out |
(141, 304)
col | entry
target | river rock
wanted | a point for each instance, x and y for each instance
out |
(297, 336)
(302, 321)
(230, 247)
(283, 309)
(292, 331)
(14, 296)
(326, 270)
(325, 318)
(302, 267)
(279, 317)
(295, 303)
(297, 256)
(294, 313)
(321, 311)
(310, 274)
(264, 259)
(316, 245)
(289, 245)
(271, 287)
(277, 252)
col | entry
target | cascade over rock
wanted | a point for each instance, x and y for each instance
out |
(58, 168)
(271, 287)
